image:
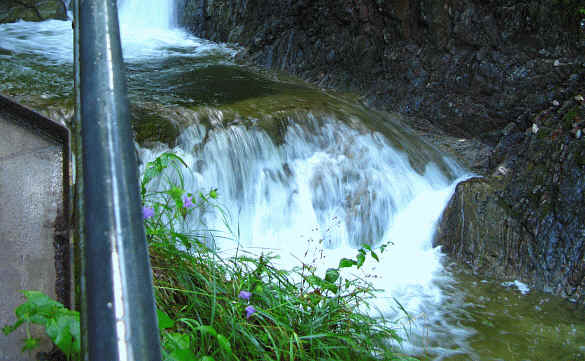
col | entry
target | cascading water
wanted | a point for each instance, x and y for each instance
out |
(328, 188)
(146, 14)
(329, 178)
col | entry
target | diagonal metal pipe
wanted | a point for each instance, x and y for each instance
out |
(118, 308)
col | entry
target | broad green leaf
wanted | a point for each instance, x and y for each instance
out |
(24, 311)
(164, 321)
(332, 275)
(224, 343)
(59, 331)
(207, 358)
(346, 262)
(178, 341)
(175, 193)
(213, 193)
(182, 355)
(374, 256)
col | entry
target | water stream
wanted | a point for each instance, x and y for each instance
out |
(301, 169)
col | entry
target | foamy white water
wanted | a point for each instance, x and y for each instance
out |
(145, 14)
(327, 189)
(146, 28)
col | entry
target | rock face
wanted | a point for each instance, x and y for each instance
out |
(32, 10)
(487, 70)
(526, 221)
(468, 66)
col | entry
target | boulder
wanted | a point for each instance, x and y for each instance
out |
(526, 220)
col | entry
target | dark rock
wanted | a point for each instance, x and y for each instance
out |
(525, 221)
(478, 65)
(32, 10)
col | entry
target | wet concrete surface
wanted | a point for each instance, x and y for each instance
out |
(32, 194)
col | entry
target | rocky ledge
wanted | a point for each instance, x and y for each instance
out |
(467, 66)
(526, 221)
(492, 81)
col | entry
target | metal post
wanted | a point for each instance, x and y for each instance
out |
(119, 301)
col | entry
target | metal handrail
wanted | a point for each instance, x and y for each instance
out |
(117, 299)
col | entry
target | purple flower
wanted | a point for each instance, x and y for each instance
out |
(250, 310)
(147, 212)
(187, 202)
(245, 295)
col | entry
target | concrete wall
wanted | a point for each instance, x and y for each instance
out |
(31, 190)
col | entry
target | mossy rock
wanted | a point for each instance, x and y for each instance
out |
(32, 10)
(151, 127)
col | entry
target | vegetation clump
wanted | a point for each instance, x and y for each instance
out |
(242, 307)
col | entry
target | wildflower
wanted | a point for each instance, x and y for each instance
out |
(187, 202)
(147, 212)
(250, 310)
(245, 295)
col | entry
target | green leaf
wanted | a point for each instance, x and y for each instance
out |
(213, 193)
(314, 280)
(175, 193)
(59, 330)
(164, 321)
(207, 330)
(361, 258)
(374, 256)
(30, 344)
(207, 358)
(7, 330)
(178, 341)
(182, 355)
(346, 262)
(224, 343)
(332, 275)
(330, 286)
(172, 156)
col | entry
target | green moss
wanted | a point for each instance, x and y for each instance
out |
(275, 127)
(149, 126)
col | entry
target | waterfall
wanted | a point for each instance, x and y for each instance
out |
(147, 14)
(327, 189)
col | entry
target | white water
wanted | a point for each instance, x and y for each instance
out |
(146, 28)
(147, 14)
(318, 197)
(328, 187)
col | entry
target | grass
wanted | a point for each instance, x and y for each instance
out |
(243, 307)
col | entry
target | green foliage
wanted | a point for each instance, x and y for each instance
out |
(298, 314)
(212, 307)
(61, 324)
